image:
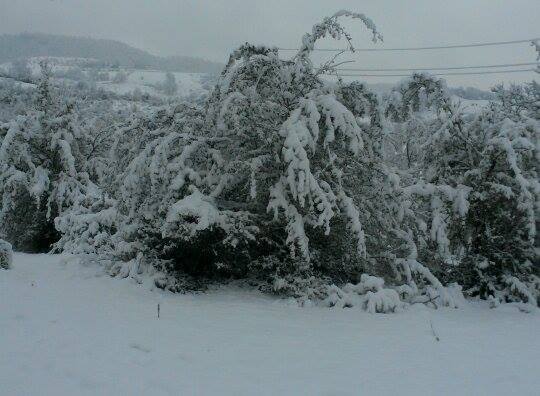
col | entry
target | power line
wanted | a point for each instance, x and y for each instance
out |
(418, 48)
(441, 68)
(440, 74)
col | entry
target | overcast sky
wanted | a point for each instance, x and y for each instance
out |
(212, 28)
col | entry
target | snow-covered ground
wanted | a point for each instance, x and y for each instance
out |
(68, 330)
(146, 80)
(469, 105)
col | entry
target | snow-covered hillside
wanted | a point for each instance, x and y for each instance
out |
(138, 81)
(147, 80)
(68, 330)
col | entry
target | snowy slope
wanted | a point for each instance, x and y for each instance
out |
(469, 105)
(17, 83)
(67, 330)
(188, 83)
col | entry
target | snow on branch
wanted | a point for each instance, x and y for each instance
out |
(330, 26)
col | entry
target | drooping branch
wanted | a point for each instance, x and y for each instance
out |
(331, 26)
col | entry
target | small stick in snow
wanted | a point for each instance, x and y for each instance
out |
(158, 310)
(433, 331)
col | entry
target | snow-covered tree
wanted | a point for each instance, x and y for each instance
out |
(536, 45)
(120, 77)
(411, 108)
(474, 181)
(279, 175)
(169, 85)
(40, 162)
(20, 70)
(14, 100)
(6, 255)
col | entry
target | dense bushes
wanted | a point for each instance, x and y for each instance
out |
(477, 179)
(311, 189)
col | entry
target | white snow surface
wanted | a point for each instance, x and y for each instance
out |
(144, 80)
(67, 329)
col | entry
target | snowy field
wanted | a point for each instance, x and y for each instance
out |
(68, 330)
(145, 80)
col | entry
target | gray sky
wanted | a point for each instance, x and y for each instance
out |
(212, 28)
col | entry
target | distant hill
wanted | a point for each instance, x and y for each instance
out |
(109, 52)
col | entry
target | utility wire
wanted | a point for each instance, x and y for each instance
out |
(418, 48)
(440, 74)
(441, 68)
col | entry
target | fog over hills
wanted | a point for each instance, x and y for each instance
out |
(110, 52)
